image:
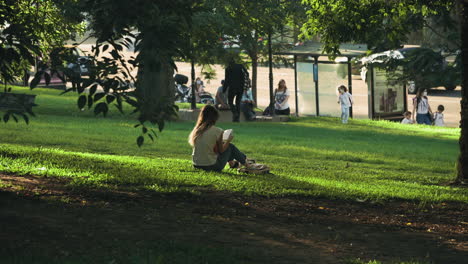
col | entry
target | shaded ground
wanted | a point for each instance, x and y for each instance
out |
(44, 216)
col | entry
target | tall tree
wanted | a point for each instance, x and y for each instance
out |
(248, 24)
(385, 25)
(157, 30)
(204, 47)
(462, 167)
(30, 29)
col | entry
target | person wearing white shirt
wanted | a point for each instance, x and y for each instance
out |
(422, 108)
(439, 116)
(281, 99)
(407, 118)
(346, 101)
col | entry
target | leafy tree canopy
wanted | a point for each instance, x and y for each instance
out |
(381, 24)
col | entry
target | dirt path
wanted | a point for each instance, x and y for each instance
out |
(44, 214)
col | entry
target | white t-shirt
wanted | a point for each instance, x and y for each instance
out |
(346, 99)
(222, 95)
(203, 150)
(439, 119)
(406, 121)
(423, 106)
(281, 103)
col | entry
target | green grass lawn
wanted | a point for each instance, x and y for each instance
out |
(309, 156)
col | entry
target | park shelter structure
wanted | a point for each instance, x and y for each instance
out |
(317, 77)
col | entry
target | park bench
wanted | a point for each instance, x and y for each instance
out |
(16, 102)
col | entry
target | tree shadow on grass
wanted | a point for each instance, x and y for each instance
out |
(228, 226)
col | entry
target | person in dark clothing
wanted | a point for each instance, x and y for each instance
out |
(235, 79)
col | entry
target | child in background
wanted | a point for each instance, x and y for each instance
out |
(407, 118)
(346, 101)
(439, 116)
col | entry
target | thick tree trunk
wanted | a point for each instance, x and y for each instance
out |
(462, 168)
(155, 85)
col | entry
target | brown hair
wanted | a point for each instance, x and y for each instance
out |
(342, 87)
(206, 119)
(285, 87)
(420, 92)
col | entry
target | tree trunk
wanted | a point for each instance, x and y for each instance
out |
(254, 58)
(462, 167)
(155, 85)
(193, 102)
(253, 54)
(270, 75)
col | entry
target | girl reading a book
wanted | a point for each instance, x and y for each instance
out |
(210, 151)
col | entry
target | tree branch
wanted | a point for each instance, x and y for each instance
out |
(456, 43)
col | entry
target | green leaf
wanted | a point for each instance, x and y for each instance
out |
(6, 117)
(161, 125)
(98, 96)
(80, 87)
(144, 130)
(35, 81)
(110, 98)
(26, 118)
(81, 101)
(47, 78)
(101, 108)
(151, 137)
(93, 89)
(90, 101)
(66, 91)
(87, 82)
(140, 141)
(119, 107)
(154, 133)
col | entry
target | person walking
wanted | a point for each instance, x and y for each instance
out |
(439, 116)
(235, 80)
(346, 101)
(422, 108)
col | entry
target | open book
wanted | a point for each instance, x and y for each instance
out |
(226, 134)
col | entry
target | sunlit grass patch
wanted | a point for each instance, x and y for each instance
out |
(376, 160)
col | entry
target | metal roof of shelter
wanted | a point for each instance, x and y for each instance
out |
(314, 49)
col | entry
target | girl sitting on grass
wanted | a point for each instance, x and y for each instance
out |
(210, 153)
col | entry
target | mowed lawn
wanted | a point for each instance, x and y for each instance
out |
(314, 157)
